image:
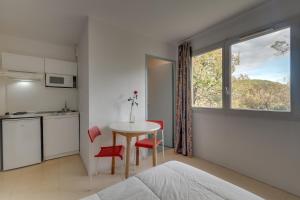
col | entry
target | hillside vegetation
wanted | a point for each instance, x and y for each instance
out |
(260, 95)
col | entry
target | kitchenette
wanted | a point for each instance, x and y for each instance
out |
(39, 120)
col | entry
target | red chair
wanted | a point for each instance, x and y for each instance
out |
(108, 151)
(149, 142)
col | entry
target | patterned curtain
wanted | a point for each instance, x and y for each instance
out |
(183, 135)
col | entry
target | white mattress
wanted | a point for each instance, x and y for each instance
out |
(173, 181)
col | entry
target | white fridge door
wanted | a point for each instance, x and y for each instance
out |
(21, 142)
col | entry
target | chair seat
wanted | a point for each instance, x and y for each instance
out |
(147, 143)
(111, 151)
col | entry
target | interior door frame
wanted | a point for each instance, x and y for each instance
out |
(147, 58)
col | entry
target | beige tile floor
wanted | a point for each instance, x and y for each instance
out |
(65, 178)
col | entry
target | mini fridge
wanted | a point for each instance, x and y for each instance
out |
(21, 142)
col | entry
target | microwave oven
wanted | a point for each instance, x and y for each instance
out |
(60, 81)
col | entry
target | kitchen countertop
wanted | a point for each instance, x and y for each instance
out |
(39, 114)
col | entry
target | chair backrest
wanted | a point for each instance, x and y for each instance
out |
(93, 133)
(159, 122)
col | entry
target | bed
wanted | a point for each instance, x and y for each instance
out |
(173, 180)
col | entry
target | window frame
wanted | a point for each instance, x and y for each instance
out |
(294, 112)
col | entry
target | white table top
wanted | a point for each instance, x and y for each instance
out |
(137, 127)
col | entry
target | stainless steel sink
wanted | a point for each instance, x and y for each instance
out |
(57, 112)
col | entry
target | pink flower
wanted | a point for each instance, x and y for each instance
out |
(135, 92)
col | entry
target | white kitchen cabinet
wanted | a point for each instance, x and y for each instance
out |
(21, 142)
(61, 135)
(53, 66)
(21, 63)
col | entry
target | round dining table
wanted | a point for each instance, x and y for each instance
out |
(130, 130)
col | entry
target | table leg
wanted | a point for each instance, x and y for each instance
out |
(137, 154)
(128, 138)
(113, 163)
(154, 152)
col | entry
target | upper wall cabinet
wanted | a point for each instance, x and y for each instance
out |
(21, 63)
(53, 66)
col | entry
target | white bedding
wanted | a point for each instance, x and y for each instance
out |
(173, 181)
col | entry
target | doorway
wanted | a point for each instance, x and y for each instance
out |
(160, 94)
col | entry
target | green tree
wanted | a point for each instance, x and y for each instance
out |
(207, 79)
(281, 47)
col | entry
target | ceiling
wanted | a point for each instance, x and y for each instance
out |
(62, 21)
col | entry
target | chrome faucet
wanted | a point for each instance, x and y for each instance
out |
(66, 109)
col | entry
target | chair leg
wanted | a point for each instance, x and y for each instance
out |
(90, 174)
(137, 153)
(90, 181)
(134, 163)
(96, 167)
(123, 168)
(163, 144)
(137, 156)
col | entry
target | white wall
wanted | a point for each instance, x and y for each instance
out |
(34, 96)
(265, 149)
(83, 87)
(117, 67)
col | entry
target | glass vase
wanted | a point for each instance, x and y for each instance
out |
(132, 115)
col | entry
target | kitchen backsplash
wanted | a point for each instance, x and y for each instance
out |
(18, 96)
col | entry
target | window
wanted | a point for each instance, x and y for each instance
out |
(256, 75)
(207, 79)
(260, 73)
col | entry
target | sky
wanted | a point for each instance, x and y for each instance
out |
(259, 61)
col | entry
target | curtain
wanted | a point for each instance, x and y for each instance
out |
(183, 132)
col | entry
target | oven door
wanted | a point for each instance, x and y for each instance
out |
(62, 81)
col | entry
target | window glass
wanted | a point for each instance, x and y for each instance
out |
(260, 73)
(207, 79)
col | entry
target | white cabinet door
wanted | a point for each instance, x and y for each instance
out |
(21, 142)
(53, 66)
(21, 63)
(61, 136)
